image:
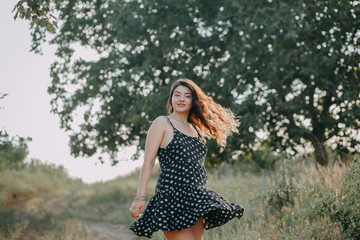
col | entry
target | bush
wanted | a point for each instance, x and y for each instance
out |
(8, 220)
(281, 198)
(13, 151)
(341, 207)
(263, 158)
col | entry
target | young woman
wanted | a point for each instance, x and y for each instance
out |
(183, 205)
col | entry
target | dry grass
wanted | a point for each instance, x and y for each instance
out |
(68, 229)
(277, 203)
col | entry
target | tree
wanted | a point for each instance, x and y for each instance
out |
(303, 72)
(13, 151)
(289, 69)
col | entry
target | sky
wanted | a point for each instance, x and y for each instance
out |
(25, 77)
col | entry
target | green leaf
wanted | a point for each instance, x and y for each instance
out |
(49, 27)
(55, 24)
(43, 22)
(41, 13)
(20, 2)
(35, 19)
(21, 9)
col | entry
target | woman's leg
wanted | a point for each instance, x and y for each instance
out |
(198, 229)
(185, 234)
(195, 232)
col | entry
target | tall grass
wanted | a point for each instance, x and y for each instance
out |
(32, 178)
(68, 229)
(282, 204)
(109, 201)
(296, 200)
(24, 194)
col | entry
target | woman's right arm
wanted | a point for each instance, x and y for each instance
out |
(153, 140)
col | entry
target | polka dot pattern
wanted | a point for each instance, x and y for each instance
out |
(182, 195)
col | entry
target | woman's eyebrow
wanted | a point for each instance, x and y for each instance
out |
(180, 92)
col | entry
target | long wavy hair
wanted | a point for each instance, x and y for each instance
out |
(210, 117)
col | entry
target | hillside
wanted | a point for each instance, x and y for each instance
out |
(297, 200)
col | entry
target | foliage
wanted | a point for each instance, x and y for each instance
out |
(285, 68)
(341, 206)
(37, 12)
(40, 17)
(263, 157)
(302, 78)
(13, 151)
(2, 96)
(281, 198)
(334, 210)
(8, 220)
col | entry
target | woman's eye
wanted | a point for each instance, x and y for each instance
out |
(178, 95)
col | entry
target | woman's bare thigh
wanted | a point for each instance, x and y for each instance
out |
(185, 234)
(198, 229)
(194, 232)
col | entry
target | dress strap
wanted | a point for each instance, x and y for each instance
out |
(199, 136)
(169, 121)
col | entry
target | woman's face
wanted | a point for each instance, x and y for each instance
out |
(182, 99)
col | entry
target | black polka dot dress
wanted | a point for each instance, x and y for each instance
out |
(182, 195)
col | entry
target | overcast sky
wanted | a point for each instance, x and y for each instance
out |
(24, 76)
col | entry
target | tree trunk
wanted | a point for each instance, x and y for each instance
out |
(320, 152)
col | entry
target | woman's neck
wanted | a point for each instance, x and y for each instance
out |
(181, 117)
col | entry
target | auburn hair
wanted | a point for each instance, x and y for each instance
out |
(210, 117)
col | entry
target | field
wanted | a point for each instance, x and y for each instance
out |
(296, 200)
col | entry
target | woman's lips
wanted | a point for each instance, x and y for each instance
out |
(181, 105)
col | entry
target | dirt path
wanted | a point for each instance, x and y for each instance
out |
(109, 231)
(34, 229)
(98, 230)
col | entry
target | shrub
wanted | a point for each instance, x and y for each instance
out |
(8, 220)
(13, 151)
(342, 206)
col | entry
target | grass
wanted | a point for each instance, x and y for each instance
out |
(294, 201)
(68, 229)
(33, 178)
(279, 204)
(24, 194)
(8, 221)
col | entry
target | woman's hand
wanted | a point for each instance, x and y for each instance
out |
(137, 207)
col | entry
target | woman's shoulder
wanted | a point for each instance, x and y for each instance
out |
(160, 121)
(159, 124)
